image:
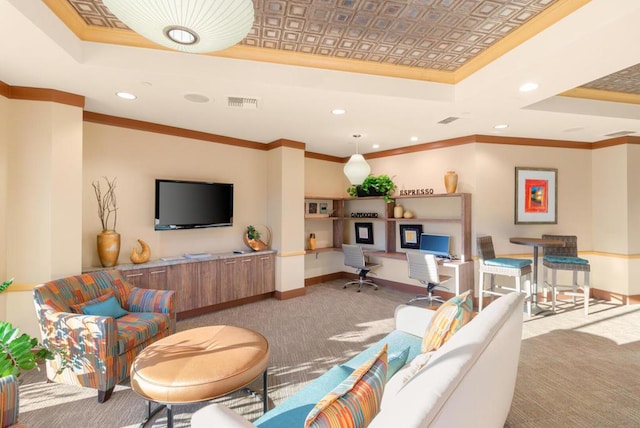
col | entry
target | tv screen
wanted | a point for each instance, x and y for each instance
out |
(191, 204)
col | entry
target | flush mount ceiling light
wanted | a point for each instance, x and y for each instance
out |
(126, 95)
(357, 169)
(338, 111)
(503, 126)
(194, 26)
(528, 87)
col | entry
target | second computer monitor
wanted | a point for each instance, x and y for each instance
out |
(437, 245)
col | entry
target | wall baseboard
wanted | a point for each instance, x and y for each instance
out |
(285, 295)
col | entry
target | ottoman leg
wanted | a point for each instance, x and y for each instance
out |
(169, 416)
(265, 398)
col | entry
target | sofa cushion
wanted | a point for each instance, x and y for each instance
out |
(137, 327)
(396, 361)
(404, 375)
(293, 411)
(356, 401)
(79, 307)
(396, 341)
(122, 289)
(107, 308)
(448, 319)
(564, 259)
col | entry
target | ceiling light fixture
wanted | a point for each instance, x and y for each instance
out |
(528, 87)
(338, 111)
(193, 26)
(126, 95)
(357, 169)
(501, 126)
(414, 139)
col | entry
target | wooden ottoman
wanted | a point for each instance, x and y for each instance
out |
(199, 365)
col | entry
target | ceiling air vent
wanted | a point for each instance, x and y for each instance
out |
(448, 120)
(243, 102)
(619, 133)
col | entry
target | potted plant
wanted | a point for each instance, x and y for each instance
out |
(19, 352)
(380, 185)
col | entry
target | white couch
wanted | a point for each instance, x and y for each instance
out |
(469, 381)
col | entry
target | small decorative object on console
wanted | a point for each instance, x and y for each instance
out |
(142, 256)
(252, 239)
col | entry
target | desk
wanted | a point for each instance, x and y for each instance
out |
(536, 243)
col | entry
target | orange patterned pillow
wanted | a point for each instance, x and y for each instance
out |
(448, 319)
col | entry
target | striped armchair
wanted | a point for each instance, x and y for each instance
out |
(98, 337)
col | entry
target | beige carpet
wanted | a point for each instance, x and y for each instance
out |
(574, 371)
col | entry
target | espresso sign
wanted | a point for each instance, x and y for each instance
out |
(416, 192)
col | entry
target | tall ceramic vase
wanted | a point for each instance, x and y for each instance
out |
(108, 247)
(451, 181)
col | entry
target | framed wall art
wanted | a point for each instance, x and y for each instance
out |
(364, 233)
(536, 198)
(410, 236)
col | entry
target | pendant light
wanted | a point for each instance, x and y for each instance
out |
(357, 169)
(194, 26)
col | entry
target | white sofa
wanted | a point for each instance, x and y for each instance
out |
(469, 381)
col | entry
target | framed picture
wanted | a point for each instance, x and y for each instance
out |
(364, 233)
(410, 235)
(312, 208)
(323, 208)
(536, 196)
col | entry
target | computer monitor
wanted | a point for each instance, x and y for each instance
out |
(437, 245)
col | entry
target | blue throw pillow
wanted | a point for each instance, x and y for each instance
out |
(396, 361)
(108, 308)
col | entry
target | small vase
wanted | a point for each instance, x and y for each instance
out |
(312, 241)
(408, 214)
(451, 181)
(108, 247)
(398, 211)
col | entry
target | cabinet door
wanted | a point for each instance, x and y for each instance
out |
(183, 279)
(236, 278)
(265, 274)
(157, 278)
(208, 280)
(137, 277)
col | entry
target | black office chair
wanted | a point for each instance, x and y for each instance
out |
(424, 268)
(354, 257)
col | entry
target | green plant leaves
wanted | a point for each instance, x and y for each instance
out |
(19, 352)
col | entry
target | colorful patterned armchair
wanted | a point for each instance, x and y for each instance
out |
(99, 349)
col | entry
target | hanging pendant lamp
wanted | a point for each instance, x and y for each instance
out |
(194, 26)
(357, 169)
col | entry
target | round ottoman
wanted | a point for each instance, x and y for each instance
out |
(199, 365)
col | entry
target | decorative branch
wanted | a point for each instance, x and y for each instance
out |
(107, 203)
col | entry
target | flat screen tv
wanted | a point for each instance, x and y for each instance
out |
(192, 204)
(437, 245)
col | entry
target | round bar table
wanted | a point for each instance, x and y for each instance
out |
(536, 243)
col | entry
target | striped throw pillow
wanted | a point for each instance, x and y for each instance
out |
(448, 319)
(356, 401)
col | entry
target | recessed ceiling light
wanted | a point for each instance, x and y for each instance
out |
(501, 126)
(196, 98)
(126, 95)
(376, 146)
(338, 111)
(529, 86)
(414, 139)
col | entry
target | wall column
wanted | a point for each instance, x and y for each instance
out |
(285, 214)
(43, 214)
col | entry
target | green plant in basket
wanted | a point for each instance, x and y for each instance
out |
(375, 185)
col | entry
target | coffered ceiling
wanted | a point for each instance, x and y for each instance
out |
(398, 67)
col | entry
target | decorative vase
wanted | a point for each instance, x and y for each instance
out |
(108, 247)
(398, 211)
(451, 181)
(408, 214)
(312, 241)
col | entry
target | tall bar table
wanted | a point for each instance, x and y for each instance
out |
(536, 243)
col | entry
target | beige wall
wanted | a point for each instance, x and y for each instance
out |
(137, 158)
(4, 207)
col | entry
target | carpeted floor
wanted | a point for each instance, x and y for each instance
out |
(574, 371)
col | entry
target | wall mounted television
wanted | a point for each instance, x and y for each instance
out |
(192, 204)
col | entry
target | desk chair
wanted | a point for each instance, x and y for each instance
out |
(510, 267)
(424, 268)
(565, 258)
(354, 257)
